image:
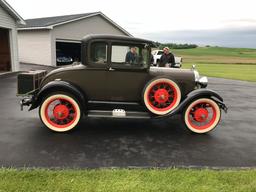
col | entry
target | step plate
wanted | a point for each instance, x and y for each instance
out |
(128, 114)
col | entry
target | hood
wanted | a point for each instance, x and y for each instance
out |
(176, 74)
(170, 71)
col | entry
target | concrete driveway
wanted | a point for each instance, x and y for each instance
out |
(24, 141)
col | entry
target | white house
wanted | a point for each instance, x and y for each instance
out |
(41, 39)
(9, 19)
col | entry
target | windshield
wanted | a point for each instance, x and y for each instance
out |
(160, 53)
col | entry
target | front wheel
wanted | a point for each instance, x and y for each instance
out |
(60, 112)
(202, 115)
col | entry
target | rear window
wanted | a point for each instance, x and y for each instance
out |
(99, 52)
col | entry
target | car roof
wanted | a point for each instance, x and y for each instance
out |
(118, 38)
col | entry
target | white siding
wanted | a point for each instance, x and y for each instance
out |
(6, 21)
(78, 29)
(35, 47)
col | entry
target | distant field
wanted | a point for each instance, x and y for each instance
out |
(230, 63)
(243, 72)
(217, 55)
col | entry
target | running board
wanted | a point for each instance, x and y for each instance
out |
(119, 113)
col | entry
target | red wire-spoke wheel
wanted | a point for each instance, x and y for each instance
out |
(161, 96)
(202, 115)
(60, 112)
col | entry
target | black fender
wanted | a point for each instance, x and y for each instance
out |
(58, 86)
(196, 94)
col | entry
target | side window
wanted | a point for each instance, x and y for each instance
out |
(99, 52)
(119, 53)
(124, 55)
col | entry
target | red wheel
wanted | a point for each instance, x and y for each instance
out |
(202, 115)
(60, 112)
(161, 96)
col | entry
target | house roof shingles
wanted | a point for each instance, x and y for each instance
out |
(49, 21)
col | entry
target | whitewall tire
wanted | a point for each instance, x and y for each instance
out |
(161, 96)
(202, 115)
(60, 112)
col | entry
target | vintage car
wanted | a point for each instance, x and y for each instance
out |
(106, 84)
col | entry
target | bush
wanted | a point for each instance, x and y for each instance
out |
(177, 46)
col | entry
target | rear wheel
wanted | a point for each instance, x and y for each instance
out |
(60, 112)
(161, 96)
(202, 115)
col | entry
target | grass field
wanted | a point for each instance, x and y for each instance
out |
(231, 63)
(128, 180)
(229, 71)
(217, 55)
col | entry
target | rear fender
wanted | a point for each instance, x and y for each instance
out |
(54, 86)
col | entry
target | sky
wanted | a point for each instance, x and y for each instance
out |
(218, 22)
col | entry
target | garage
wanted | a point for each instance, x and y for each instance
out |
(67, 52)
(56, 40)
(5, 57)
(8, 37)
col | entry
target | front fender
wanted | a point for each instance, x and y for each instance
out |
(199, 93)
(57, 86)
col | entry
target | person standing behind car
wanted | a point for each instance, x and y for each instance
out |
(131, 56)
(167, 59)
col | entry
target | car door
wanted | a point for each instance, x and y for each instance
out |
(125, 81)
(94, 75)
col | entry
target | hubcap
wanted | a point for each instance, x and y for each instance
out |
(61, 112)
(201, 115)
(161, 95)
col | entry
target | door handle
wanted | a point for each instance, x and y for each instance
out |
(111, 69)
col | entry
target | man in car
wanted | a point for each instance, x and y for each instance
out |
(131, 56)
(167, 59)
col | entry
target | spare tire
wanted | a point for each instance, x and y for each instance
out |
(161, 96)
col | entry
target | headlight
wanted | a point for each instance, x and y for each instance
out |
(203, 81)
(197, 76)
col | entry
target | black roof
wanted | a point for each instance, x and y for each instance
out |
(118, 38)
(48, 21)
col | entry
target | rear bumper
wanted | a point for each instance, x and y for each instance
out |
(26, 101)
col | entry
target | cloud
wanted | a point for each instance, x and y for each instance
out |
(232, 37)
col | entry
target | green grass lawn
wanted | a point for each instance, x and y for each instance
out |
(218, 51)
(229, 71)
(127, 180)
(217, 55)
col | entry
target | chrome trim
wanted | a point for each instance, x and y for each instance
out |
(197, 76)
(203, 81)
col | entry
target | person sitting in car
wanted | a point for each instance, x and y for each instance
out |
(167, 59)
(131, 56)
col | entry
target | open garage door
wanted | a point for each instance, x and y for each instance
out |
(5, 55)
(67, 52)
